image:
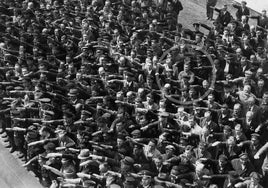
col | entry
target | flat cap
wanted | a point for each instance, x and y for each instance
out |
(136, 132)
(170, 147)
(243, 156)
(128, 161)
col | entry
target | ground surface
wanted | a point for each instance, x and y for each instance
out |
(195, 11)
(12, 174)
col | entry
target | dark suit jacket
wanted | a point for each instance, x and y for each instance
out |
(256, 113)
(223, 149)
(240, 12)
(212, 126)
(224, 19)
(240, 72)
(223, 120)
(237, 165)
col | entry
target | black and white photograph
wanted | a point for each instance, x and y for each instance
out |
(133, 94)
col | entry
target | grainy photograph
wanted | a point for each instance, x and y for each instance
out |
(133, 94)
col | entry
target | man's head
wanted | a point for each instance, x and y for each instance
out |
(238, 129)
(265, 98)
(222, 160)
(210, 98)
(249, 115)
(152, 145)
(231, 141)
(208, 115)
(244, 158)
(146, 178)
(263, 13)
(243, 4)
(255, 139)
(247, 89)
(158, 161)
(202, 147)
(224, 7)
(170, 150)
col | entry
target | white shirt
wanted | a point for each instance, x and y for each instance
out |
(226, 68)
(150, 154)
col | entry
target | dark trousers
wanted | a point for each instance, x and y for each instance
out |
(209, 11)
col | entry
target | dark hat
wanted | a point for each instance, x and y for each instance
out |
(216, 22)
(163, 114)
(196, 104)
(224, 105)
(106, 115)
(186, 76)
(44, 100)
(233, 176)
(68, 172)
(68, 113)
(182, 168)
(255, 135)
(121, 136)
(130, 74)
(199, 34)
(9, 88)
(137, 145)
(60, 128)
(32, 128)
(234, 22)
(188, 148)
(170, 147)
(161, 177)
(176, 168)
(43, 156)
(19, 88)
(73, 92)
(48, 113)
(255, 176)
(128, 161)
(85, 112)
(158, 186)
(192, 89)
(129, 180)
(136, 132)
(184, 89)
(228, 57)
(219, 47)
(14, 112)
(196, 24)
(32, 134)
(227, 128)
(88, 182)
(223, 158)
(146, 173)
(84, 154)
(115, 186)
(227, 86)
(122, 151)
(138, 19)
(243, 156)
(248, 72)
(50, 146)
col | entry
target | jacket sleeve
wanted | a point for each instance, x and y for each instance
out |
(263, 149)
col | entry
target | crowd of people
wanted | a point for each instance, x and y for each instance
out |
(106, 93)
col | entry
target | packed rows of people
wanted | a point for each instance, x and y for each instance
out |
(105, 93)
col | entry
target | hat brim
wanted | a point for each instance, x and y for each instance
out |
(82, 158)
(59, 130)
